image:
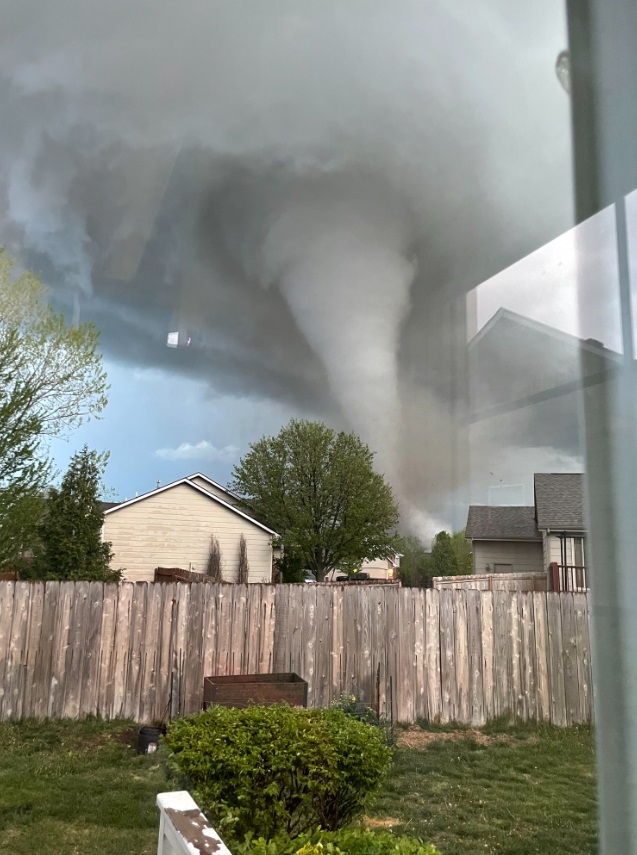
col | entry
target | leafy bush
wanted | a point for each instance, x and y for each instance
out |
(363, 712)
(347, 841)
(278, 770)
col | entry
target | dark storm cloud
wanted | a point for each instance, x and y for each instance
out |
(292, 183)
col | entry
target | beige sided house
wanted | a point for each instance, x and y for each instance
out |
(172, 526)
(382, 569)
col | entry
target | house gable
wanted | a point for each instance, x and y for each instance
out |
(187, 482)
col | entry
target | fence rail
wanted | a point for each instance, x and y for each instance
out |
(142, 650)
(493, 582)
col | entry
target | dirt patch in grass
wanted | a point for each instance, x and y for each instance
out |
(90, 741)
(127, 736)
(95, 740)
(380, 822)
(416, 737)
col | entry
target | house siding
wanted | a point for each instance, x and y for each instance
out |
(546, 550)
(173, 529)
(523, 556)
(376, 568)
(553, 550)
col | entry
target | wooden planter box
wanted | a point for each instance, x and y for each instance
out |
(239, 690)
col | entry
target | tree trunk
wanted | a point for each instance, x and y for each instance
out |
(317, 566)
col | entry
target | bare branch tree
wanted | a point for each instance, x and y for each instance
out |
(244, 568)
(213, 568)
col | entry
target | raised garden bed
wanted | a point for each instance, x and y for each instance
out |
(239, 690)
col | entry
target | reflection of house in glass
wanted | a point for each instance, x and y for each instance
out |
(525, 386)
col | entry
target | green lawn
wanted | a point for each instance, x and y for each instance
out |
(69, 787)
(80, 788)
(526, 790)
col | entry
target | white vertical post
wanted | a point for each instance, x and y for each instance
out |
(183, 829)
(602, 37)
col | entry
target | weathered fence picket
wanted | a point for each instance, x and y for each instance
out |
(142, 650)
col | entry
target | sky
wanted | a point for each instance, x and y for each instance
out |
(304, 193)
(158, 427)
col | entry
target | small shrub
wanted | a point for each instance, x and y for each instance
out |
(213, 565)
(278, 770)
(363, 712)
(243, 570)
(363, 760)
(347, 841)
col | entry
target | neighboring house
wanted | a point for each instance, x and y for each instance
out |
(385, 569)
(172, 526)
(106, 506)
(504, 540)
(548, 537)
(382, 568)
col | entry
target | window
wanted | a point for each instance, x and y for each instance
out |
(572, 551)
(578, 552)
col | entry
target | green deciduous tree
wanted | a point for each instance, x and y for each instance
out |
(451, 555)
(71, 532)
(319, 491)
(414, 570)
(23, 472)
(463, 552)
(443, 560)
(290, 567)
(22, 511)
(51, 379)
(58, 376)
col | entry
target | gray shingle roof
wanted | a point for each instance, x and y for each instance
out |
(559, 500)
(108, 505)
(501, 523)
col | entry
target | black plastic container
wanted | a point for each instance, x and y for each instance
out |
(148, 739)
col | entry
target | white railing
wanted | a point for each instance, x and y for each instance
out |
(183, 829)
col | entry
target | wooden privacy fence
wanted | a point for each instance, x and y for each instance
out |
(142, 650)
